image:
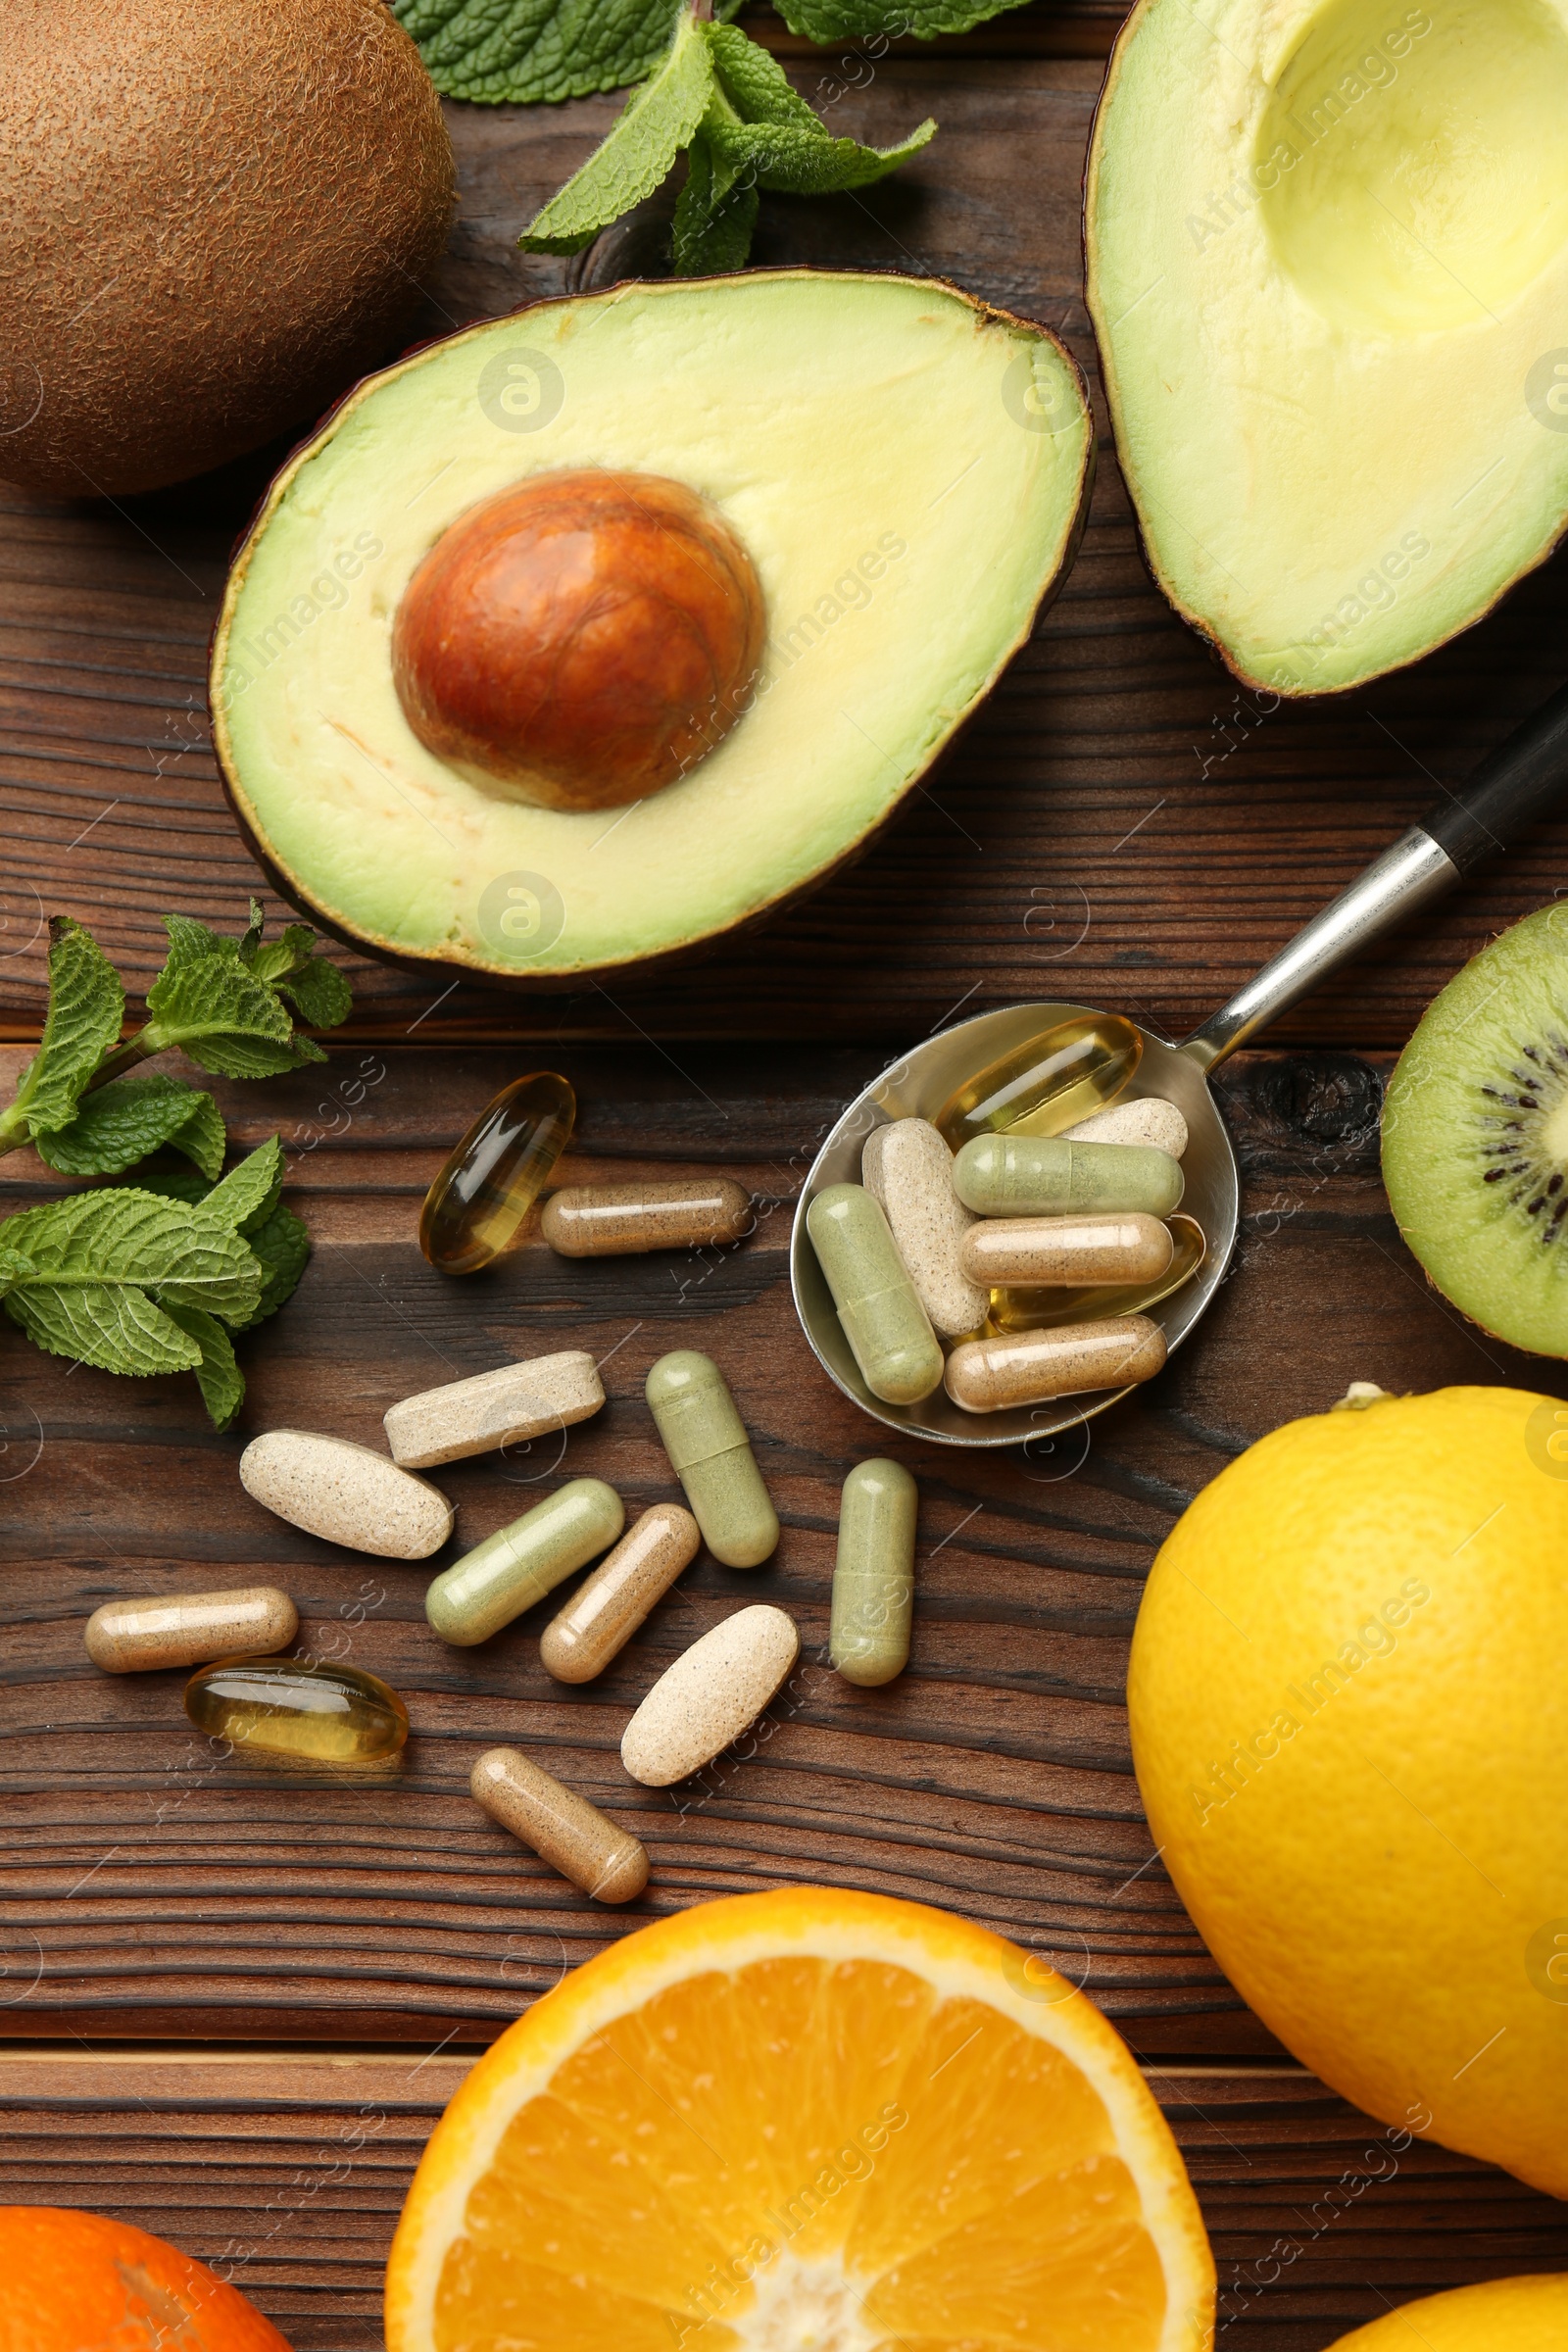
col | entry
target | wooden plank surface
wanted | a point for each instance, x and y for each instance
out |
(1119, 822)
(287, 2171)
(154, 1888)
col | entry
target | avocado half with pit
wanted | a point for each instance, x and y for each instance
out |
(586, 634)
(1328, 269)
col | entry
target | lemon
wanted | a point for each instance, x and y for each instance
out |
(803, 2122)
(1349, 1694)
(1505, 2315)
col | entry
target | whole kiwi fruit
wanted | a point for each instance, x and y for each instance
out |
(214, 216)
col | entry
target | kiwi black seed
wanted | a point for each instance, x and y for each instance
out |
(1474, 1137)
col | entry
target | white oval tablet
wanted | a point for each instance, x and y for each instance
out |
(346, 1493)
(710, 1696)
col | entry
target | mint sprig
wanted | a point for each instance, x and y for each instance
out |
(157, 1278)
(720, 97)
(229, 1004)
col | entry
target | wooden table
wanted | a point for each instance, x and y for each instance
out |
(235, 2000)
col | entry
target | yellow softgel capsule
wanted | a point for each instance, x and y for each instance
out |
(303, 1709)
(1052, 1080)
(479, 1203)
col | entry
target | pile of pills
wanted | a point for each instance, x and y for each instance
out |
(1008, 1250)
(305, 1710)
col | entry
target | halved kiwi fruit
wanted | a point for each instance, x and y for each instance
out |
(1474, 1137)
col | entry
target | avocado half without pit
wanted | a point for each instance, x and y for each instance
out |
(1328, 270)
(585, 635)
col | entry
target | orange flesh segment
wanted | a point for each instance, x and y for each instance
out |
(948, 2176)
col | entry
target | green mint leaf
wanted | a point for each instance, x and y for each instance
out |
(277, 1241)
(116, 1330)
(755, 84)
(253, 932)
(520, 52)
(253, 1057)
(220, 1000)
(279, 957)
(217, 1375)
(248, 1194)
(657, 122)
(85, 1005)
(715, 219)
(806, 163)
(283, 1247)
(189, 942)
(128, 1239)
(204, 1138)
(210, 1003)
(872, 23)
(319, 993)
(119, 1123)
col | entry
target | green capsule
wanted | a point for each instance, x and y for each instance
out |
(873, 1577)
(306, 1708)
(519, 1564)
(1046, 1176)
(712, 1455)
(888, 1330)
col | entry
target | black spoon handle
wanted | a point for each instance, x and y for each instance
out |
(1522, 781)
(1525, 779)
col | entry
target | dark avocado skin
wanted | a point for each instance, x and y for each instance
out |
(560, 980)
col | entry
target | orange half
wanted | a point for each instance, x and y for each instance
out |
(803, 2122)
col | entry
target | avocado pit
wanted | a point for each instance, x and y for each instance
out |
(580, 639)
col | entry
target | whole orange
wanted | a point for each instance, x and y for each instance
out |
(74, 2279)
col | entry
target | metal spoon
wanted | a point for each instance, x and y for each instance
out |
(1520, 783)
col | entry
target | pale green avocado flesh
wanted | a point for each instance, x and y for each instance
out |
(1328, 270)
(907, 470)
(1474, 1137)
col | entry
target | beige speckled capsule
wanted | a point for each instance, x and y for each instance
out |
(1151, 1120)
(710, 1696)
(346, 1493)
(530, 1399)
(608, 1606)
(613, 1220)
(573, 1836)
(1067, 1249)
(1028, 1367)
(189, 1628)
(907, 1169)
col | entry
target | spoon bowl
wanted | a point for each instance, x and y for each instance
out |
(916, 1088)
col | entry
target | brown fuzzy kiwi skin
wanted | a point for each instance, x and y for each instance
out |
(213, 215)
